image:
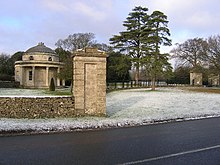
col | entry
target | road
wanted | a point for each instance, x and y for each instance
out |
(191, 142)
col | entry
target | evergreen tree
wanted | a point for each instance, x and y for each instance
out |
(142, 40)
(66, 72)
(180, 75)
(5, 68)
(11, 62)
(7, 65)
(132, 41)
(118, 66)
(155, 62)
(52, 85)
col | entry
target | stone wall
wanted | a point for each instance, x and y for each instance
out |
(36, 107)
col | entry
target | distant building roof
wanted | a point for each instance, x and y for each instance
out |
(40, 48)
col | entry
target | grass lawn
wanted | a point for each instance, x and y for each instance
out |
(130, 108)
(59, 92)
(203, 89)
(4, 92)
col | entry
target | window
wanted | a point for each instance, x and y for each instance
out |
(31, 58)
(50, 59)
(30, 75)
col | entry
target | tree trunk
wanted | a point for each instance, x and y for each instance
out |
(137, 74)
(153, 85)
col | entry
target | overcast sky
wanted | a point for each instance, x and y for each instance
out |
(25, 23)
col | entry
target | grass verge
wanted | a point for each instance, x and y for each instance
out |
(58, 92)
(203, 89)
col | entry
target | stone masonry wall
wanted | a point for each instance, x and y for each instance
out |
(36, 107)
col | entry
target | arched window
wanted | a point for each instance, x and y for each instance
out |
(31, 58)
(50, 59)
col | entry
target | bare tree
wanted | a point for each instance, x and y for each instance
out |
(191, 52)
(76, 41)
(213, 55)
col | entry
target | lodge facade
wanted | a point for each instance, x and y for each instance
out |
(39, 66)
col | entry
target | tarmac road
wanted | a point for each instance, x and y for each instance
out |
(191, 142)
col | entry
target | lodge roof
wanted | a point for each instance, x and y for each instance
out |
(40, 48)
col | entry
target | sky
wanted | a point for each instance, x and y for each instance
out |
(25, 23)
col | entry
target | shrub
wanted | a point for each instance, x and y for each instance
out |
(52, 85)
(5, 77)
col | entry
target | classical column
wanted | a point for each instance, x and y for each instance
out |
(33, 75)
(58, 79)
(47, 76)
(21, 78)
(63, 82)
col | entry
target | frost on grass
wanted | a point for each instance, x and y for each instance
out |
(19, 92)
(128, 108)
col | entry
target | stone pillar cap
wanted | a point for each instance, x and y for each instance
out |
(89, 52)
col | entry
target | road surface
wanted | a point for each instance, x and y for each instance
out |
(191, 142)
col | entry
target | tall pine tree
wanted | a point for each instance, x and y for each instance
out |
(131, 40)
(144, 36)
(158, 33)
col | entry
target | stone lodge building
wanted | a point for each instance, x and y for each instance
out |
(196, 79)
(39, 66)
(214, 80)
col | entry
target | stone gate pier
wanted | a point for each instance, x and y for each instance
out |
(89, 81)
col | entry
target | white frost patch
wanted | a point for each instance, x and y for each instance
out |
(162, 104)
(128, 108)
(18, 92)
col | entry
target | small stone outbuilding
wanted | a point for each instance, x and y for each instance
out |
(39, 66)
(214, 80)
(196, 77)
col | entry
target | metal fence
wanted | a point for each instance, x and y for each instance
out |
(140, 84)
